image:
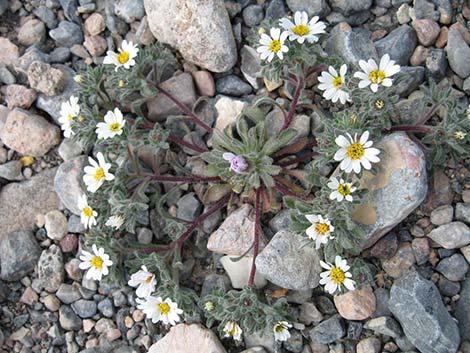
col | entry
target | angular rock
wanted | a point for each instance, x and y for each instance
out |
(436, 62)
(51, 268)
(94, 24)
(183, 25)
(68, 320)
(328, 331)
(369, 345)
(462, 212)
(183, 336)
(68, 293)
(357, 304)
(413, 297)
(67, 34)
(204, 82)
(68, 183)
(458, 53)
(251, 66)
(451, 236)
(18, 96)
(20, 203)
(28, 133)
(129, 10)
(45, 79)
(32, 32)
(11, 170)
(454, 268)
(413, 77)
(384, 325)
(462, 310)
(263, 339)
(84, 308)
(239, 272)
(399, 44)
(309, 313)
(232, 85)
(9, 52)
(401, 262)
(442, 215)
(287, 264)
(399, 187)
(235, 235)
(427, 31)
(228, 110)
(19, 253)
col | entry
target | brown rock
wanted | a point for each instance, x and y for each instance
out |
(204, 83)
(441, 40)
(184, 338)
(69, 243)
(401, 262)
(427, 31)
(94, 24)
(440, 191)
(357, 304)
(29, 297)
(32, 32)
(386, 247)
(45, 79)
(18, 96)
(9, 52)
(29, 134)
(96, 45)
(464, 31)
(419, 56)
(378, 34)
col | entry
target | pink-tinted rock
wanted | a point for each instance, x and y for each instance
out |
(427, 31)
(46, 79)
(356, 305)
(32, 32)
(94, 24)
(9, 52)
(96, 45)
(401, 262)
(18, 96)
(29, 297)
(204, 83)
(69, 243)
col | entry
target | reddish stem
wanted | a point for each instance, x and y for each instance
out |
(293, 106)
(256, 240)
(408, 128)
(298, 159)
(177, 179)
(180, 141)
(428, 115)
(283, 190)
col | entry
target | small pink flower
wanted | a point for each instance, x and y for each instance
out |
(237, 163)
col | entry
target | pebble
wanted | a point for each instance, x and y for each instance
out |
(9, 52)
(403, 14)
(51, 303)
(457, 53)
(67, 34)
(47, 16)
(214, 280)
(251, 66)
(427, 31)
(73, 271)
(51, 268)
(386, 247)
(209, 44)
(6, 76)
(56, 225)
(401, 262)
(189, 207)
(454, 268)
(399, 44)
(442, 215)
(294, 343)
(384, 325)
(129, 10)
(19, 96)
(227, 111)
(436, 63)
(29, 297)
(275, 10)
(253, 15)
(309, 314)
(369, 345)
(462, 212)
(358, 304)
(106, 307)
(96, 45)
(232, 85)
(68, 293)
(69, 149)
(421, 250)
(68, 320)
(84, 308)
(32, 32)
(348, 7)
(312, 7)
(453, 235)
(94, 24)
(239, 272)
(204, 82)
(419, 56)
(68, 183)
(328, 331)
(11, 170)
(448, 288)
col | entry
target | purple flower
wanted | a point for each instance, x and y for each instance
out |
(237, 163)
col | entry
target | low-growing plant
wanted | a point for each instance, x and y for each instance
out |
(140, 164)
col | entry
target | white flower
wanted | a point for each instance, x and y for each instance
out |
(354, 152)
(68, 111)
(97, 173)
(336, 276)
(87, 215)
(232, 329)
(332, 83)
(374, 75)
(274, 45)
(467, 112)
(281, 331)
(97, 263)
(342, 190)
(157, 310)
(115, 222)
(125, 57)
(112, 126)
(144, 281)
(301, 29)
(320, 230)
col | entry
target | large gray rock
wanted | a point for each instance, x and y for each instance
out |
(328, 331)
(287, 264)
(453, 235)
(68, 183)
(398, 188)
(21, 203)
(312, 7)
(51, 268)
(184, 25)
(458, 53)
(19, 253)
(462, 311)
(417, 305)
(399, 44)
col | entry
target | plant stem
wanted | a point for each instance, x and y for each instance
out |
(316, 69)
(283, 190)
(408, 128)
(180, 141)
(177, 179)
(293, 106)
(428, 115)
(298, 159)
(256, 240)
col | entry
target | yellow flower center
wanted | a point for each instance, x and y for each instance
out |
(301, 30)
(379, 104)
(99, 174)
(97, 262)
(88, 211)
(459, 135)
(233, 330)
(275, 45)
(123, 57)
(355, 151)
(149, 279)
(344, 189)
(279, 328)
(209, 306)
(337, 275)
(115, 127)
(322, 228)
(70, 117)
(376, 76)
(121, 83)
(338, 82)
(164, 308)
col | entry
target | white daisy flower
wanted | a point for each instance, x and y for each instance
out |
(374, 75)
(157, 310)
(302, 29)
(354, 153)
(281, 331)
(125, 57)
(112, 126)
(336, 276)
(97, 263)
(273, 45)
(333, 83)
(115, 222)
(341, 190)
(97, 173)
(232, 329)
(144, 281)
(68, 111)
(320, 230)
(87, 215)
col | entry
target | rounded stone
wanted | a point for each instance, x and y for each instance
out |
(32, 32)
(357, 304)
(56, 225)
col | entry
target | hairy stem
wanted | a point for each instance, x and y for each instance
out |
(408, 128)
(298, 159)
(180, 141)
(256, 240)
(293, 106)
(178, 179)
(285, 191)
(428, 115)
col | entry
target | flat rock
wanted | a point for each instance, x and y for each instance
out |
(399, 44)
(286, 263)
(235, 235)
(21, 203)
(357, 304)
(458, 53)
(19, 253)
(28, 133)
(68, 183)
(417, 304)
(453, 235)
(183, 24)
(398, 188)
(239, 272)
(184, 338)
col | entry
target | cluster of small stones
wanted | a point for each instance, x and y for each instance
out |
(422, 262)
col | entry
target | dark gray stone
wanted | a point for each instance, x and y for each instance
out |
(11, 170)
(67, 34)
(448, 288)
(295, 342)
(130, 10)
(31, 55)
(70, 9)
(74, 225)
(280, 221)
(51, 268)
(382, 297)
(215, 280)
(414, 76)
(106, 307)
(458, 53)
(436, 63)
(462, 212)
(84, 308)
(6, 76)
(3, 6)
(425, 9)
(275, 10)
(312, 7)
(253, 15)
(68, 320)
(328, 331)
(348, 7)
(232, 85)
(19, 253)
(60, 55)
(399, 44)
(189, 207)
(384, 325)
(47, 16)
(462, 311)
(68, 293)
(417, 304)
(454, 268)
